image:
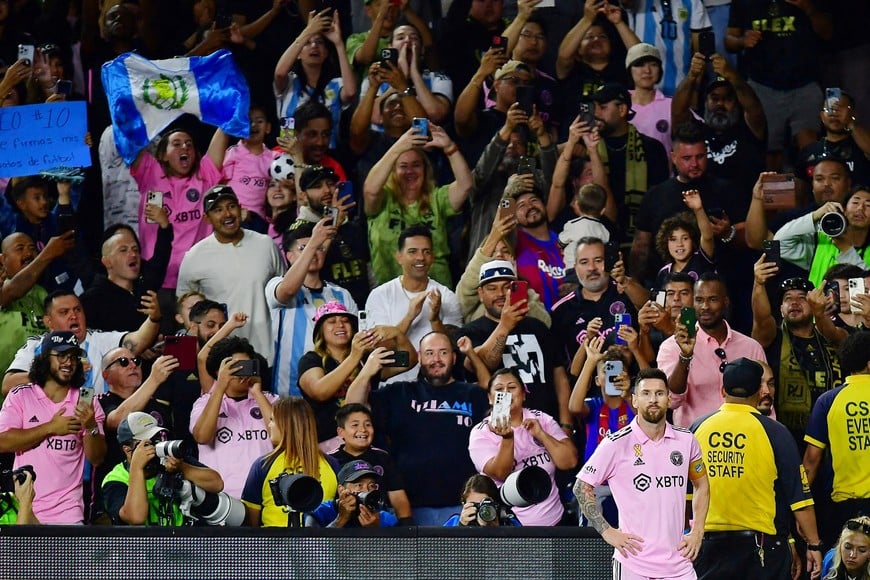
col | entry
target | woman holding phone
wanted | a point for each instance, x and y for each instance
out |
(340, 348)
(504, 443)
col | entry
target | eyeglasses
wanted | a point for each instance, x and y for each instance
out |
(67, 355)
(532, 35)
(320, 249)
(316, 42)
(855, 525)
(125, 362)
(720, 352)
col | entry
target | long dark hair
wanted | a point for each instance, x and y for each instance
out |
(328, 71)
(40, 371)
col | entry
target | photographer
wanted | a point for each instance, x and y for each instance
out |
(16, 507)
(480, 491)
(358, 501)
(129, 489)
(819, 240)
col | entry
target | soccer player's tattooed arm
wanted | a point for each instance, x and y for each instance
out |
(585, 495)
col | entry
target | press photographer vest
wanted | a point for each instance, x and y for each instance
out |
(120, 474)
(826, 256)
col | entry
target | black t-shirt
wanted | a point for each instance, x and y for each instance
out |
(324, 411)
(581, 83)
(427, 429)
(346, 262)
(571, 315)
(391, 479)
(736, 155)
(531, 350)
(846, 150)
(787, 55)
(666, 200)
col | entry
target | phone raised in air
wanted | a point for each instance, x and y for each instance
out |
(184, 348)
(248, 368)
(707, 43)
(612, 369)
(620, 319)
(526, 98)
(832, 289)
(771, 251)
(688, 318)
(519, 291)
(526, 165)
(501, 407)
(389, 55)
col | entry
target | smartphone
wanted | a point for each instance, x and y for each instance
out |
(332, 213)
(223, 20)
(506, 207)
(86, 396)
(688, 318)
(66, 222)
(500, 42)
(707, 43)
(288, 127)
(526, 98)
(401, 358)
(27, 52)
(620, 319)
(612, 369)
(345, 190)
(611, 255)
(771, 250)
(587, 114)
(526, 165)
(184, 348)
(63, 87)
(154, 198)
(856, 286)
(422, 125)
(501, 407)
(832, 288)
(832, 94)
(660, 298)
(225, 310)
(390, 55)
(364, 323)
(519, 291)
(249, 368)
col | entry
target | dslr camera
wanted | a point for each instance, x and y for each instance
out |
(373, 500)
(8, 477)
(833, 224)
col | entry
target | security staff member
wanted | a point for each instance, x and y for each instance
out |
(840, 421)
(747, 456)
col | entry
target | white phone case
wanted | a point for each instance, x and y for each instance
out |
(856, 286)
(501, 408)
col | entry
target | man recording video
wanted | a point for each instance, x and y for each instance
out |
(129, 489)
(358, 503)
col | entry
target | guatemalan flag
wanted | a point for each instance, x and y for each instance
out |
(147, 95)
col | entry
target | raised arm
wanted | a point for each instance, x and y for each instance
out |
(360, 122)
(217, 148)
(142, 338)
(237, 320)
(291, 283)
(763, 324)
(460, 187)
(21, 283)
(577, 402)
(468, 102)
(756, 219)
(348, 78)
(692, 199)
(753, 111)
(568, 49)
(373, 188)
(322, 386)
(318, 23)
(686, 94)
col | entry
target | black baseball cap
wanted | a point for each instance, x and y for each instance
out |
(742, 377)
(314, 174)
(217, 193)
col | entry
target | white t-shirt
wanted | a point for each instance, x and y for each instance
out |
(235, 274)
(97, 344)
(293, 328)
(575, 229)
(388, 304)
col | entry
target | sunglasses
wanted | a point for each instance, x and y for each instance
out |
(720, 352)
(855, 525)
(125, 362)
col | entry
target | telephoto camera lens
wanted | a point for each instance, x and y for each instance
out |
(487, 511)
(833, 224)
(166, 449)
(373, 500)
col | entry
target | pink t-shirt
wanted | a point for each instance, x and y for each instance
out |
(654, 119)
(58, 462)
(648, 480)
(182, 196)
(240, 438)
(248, 175)
(483, 444)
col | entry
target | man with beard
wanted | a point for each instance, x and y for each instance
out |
(734, 121)
(844, 138)
(757, 485)
(112, 303)
(506, 337)
(693, 358)
(647, 465)
(47, 426)
(313, 133)
(346, 261)
(805, 363)
(425, 425)
(766, 392)
(803, 244)
(368, 144)
(537, 249)
(21, 296)
(499, 162)
(63, 312)
(233, 265)
(634, 162)
(598, 297)
(666, 199)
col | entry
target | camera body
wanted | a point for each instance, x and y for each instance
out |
(487, 510)
(833, 224)
(373, 500)
(8, 477)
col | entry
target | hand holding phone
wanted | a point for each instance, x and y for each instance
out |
(247, 368)
(401, 358)
(832, 98)
(856, 286)
(421, 124)
(86, 396)
(620, 319)
(688, 318)
(771, 251)
(612, 369)
(363, 319)
(832, 290)
(519, 291)
(154, 198)
(501, 408)
(183, 348)
(389, 55)
(707, 43)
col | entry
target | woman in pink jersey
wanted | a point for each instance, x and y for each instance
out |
(529, 437)
(181, 177)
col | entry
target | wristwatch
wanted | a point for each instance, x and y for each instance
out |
(815, 547)
(410, 91)
(95, 431)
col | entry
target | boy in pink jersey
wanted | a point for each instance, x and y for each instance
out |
(246, 170)
(647, 465)
(230, 422)
(48, 425)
